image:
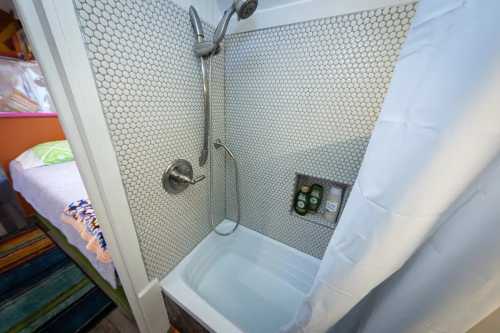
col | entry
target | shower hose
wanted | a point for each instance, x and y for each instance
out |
(218, 144)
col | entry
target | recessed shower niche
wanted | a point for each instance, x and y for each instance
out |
(325, 210)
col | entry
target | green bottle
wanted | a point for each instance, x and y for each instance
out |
(302, 200)
(315, 197)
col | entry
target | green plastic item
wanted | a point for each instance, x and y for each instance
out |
(53, 152)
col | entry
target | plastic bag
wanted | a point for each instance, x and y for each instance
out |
(23, 87)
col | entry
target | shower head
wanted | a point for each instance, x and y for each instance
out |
(245, 8)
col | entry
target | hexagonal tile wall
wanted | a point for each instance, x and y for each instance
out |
(304, 98)
(298, 98)
(150, 86)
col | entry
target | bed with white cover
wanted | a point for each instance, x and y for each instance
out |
(49, 189)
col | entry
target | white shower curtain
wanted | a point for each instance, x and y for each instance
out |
(425, 188)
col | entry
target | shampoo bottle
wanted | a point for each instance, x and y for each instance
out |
(332, 205)
(301, 200)
(315, 197)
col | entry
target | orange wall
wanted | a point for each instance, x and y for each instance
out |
(20, 134)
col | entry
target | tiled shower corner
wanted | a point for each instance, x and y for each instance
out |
(304, 98)
(300, 98)
(150, 86)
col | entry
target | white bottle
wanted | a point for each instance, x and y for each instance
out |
(332, 205)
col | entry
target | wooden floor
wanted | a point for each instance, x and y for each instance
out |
(115, 322)
(490, 324)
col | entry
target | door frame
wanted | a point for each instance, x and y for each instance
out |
(53, 29)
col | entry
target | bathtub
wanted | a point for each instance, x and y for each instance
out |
(245, 282)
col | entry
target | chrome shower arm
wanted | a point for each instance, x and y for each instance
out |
(206, 110)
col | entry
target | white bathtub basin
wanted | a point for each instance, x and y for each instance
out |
(245, 282)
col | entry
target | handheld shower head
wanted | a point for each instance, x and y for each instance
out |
(245, 8)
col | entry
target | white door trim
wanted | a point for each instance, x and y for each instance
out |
(53, 29)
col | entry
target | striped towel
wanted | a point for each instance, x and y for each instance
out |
(84, 220)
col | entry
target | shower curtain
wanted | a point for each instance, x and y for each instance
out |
(423, 217)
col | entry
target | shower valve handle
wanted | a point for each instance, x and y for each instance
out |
(178, 176)
(186, 179)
